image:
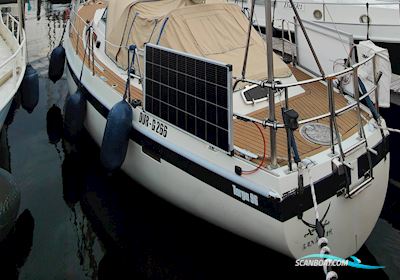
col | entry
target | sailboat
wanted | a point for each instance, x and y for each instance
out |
(13, 61)
(191, 102)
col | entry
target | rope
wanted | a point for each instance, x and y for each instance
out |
(98, 32)
(337, 31)
(152, 31)
(248, 172)
(123, 34)
(246, 52)
(368, 100)
(293, 144)
(389, 129)
(127, 92)
(162, 29)
(62, 36)
(84, 56)
(91, 52)
(259, 29)
(320, 230)
(130, 29)
(314, 198)
(375, 125)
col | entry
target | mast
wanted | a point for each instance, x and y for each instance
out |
(270, 79)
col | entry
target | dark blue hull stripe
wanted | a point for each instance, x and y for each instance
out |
(291, 205)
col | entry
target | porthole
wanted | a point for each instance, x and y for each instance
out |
(317, 14)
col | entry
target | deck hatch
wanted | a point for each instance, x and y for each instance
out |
(317, 133)
(192, 93)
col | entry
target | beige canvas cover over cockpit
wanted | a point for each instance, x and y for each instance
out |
(216, 31)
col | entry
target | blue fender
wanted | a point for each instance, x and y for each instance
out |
(30, 89)
(116, 136)
(10, 198)
(57, 62)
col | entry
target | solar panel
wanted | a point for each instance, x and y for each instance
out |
(192, 93)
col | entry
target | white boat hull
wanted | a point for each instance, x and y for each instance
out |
(384, 18)
(4, 112)
(383, 29)
(348, 223)
(10, 198)
(12, 63)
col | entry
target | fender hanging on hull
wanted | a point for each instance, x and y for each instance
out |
(10, 198)
(56, 65)
(30, 89)
(116, 136)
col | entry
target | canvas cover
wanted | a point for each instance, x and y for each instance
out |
(216, 31)
(366, 73)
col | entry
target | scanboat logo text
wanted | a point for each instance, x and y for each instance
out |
(329, 260)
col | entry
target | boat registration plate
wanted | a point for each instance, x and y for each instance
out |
(298, 6)
(153, 124)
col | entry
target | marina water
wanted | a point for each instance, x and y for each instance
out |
(78, 222)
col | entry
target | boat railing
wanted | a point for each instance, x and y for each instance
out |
(354, 102)
(331, 77)
(16, 61)
(266, 123)
(74, 17)
(288, 41)
(350, 70)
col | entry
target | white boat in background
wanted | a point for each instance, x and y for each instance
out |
(12, 71)
(192, 108)
(12, 61)
(375, 20)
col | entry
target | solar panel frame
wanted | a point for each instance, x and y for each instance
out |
(187, 65)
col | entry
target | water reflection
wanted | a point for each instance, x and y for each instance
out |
(15, 249)
(89, 225)
(73, 191)
(16, 246)
(15, 105)
(4, 150)
(145, 237)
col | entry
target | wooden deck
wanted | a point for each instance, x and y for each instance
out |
(246, 136)
(312, 103)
